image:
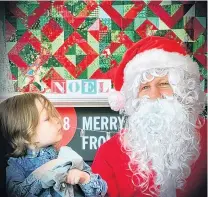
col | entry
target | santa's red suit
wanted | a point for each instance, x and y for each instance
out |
(112, 164)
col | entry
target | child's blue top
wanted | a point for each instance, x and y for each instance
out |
(21, 181)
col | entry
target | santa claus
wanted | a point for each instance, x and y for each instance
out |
(157, 88)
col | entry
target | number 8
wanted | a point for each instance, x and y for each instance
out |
(66, 123)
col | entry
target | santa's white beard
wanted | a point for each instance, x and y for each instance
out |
(161, 137)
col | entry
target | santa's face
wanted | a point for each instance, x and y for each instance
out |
(155, 88)
(161, 136)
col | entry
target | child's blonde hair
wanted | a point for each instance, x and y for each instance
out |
(19, 118)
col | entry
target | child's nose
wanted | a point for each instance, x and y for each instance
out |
(57, 120)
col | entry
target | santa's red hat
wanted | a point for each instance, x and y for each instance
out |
(150, 52)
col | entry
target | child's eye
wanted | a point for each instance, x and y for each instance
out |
(46, 119)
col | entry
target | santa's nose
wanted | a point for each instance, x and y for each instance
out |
(154, 93)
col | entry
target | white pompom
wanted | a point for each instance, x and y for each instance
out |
(116, 100)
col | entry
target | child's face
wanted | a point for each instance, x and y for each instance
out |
(49, 129)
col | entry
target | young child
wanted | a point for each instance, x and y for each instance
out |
(32, 126)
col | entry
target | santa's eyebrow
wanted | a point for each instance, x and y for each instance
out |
(145, 83)
(164, 80)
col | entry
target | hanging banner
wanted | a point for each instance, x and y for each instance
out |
(85, 129)
(77, 87)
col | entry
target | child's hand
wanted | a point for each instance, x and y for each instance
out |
(76, 176)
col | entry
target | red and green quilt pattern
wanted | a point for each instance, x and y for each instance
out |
(86, 39)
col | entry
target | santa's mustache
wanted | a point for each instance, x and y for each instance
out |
(160, 138)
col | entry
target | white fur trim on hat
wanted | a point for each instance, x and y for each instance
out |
(158, 58)
(116, 100)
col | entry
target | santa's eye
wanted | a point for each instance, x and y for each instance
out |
(145, 87)
(164, 84)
